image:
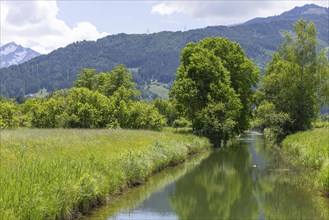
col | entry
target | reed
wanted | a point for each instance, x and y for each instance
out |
(59, 173)
(310, 150)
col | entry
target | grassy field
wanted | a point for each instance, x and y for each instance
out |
(310, 150)
(57, 173)
(160, 90)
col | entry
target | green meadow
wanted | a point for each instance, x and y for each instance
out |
(61, 173)
(310, 150)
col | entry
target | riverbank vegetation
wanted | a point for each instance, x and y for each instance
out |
(55, 173)
(309, 150)
(135, 196)
(294, 88)
(295, 85)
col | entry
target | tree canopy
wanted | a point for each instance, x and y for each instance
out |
(213, 87)
(296, 82)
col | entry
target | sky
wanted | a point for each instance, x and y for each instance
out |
(48, 25)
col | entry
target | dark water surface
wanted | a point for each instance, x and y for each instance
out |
(238, 182)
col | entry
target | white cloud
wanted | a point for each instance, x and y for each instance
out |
(168, 8)
(227, 12)
(35, 24)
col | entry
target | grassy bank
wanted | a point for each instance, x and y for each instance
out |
(133, 197)
(310, 150)
(57, 173)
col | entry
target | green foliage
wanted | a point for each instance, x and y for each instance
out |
(322, 80)
(213, 87)
(97, 101)
(144, 116)
(57, 173)
(181, 123)
(108, 83)
(118, 77)
(85, 79)
(8, 113)
(324, 177)
(309, 150)
(322, 122)
(242, 72)
(218, 120)
(295, 81)
(167, 109)
(75, 108)
(85, 109)
(272, 122)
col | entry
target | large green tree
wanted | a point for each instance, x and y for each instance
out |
(213, 87)
(296, 81)
(242, 72)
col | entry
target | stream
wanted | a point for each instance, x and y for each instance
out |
(236, 182)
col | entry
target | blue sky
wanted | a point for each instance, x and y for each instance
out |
(124, 16)
(48, 25)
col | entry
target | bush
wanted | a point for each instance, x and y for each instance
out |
(181, 123)
(271, 122)
(8, 114)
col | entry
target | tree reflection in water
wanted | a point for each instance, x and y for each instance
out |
(220, 188)
(236, 183)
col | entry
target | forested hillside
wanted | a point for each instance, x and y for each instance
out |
(152, 57)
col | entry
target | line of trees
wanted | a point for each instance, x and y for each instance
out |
(107, 99)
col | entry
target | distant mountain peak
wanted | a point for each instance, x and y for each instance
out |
(10, 43)
(306, 9)
(12, 54)
(297, 12)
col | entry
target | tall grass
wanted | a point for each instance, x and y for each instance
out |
(57, 173)
(310, 150)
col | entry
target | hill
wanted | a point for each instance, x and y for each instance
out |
(152, 57)
(13, 54)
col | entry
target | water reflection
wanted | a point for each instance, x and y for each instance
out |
(237, 182)
(151, 199)
(221, 187)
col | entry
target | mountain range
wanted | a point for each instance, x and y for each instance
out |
(153, 57)
(13, 54)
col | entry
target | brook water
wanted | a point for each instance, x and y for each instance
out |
(238, 182)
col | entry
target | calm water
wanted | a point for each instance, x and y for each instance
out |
(238, 182)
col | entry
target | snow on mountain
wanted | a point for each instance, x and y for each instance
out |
(12, 54)
(7, 50)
